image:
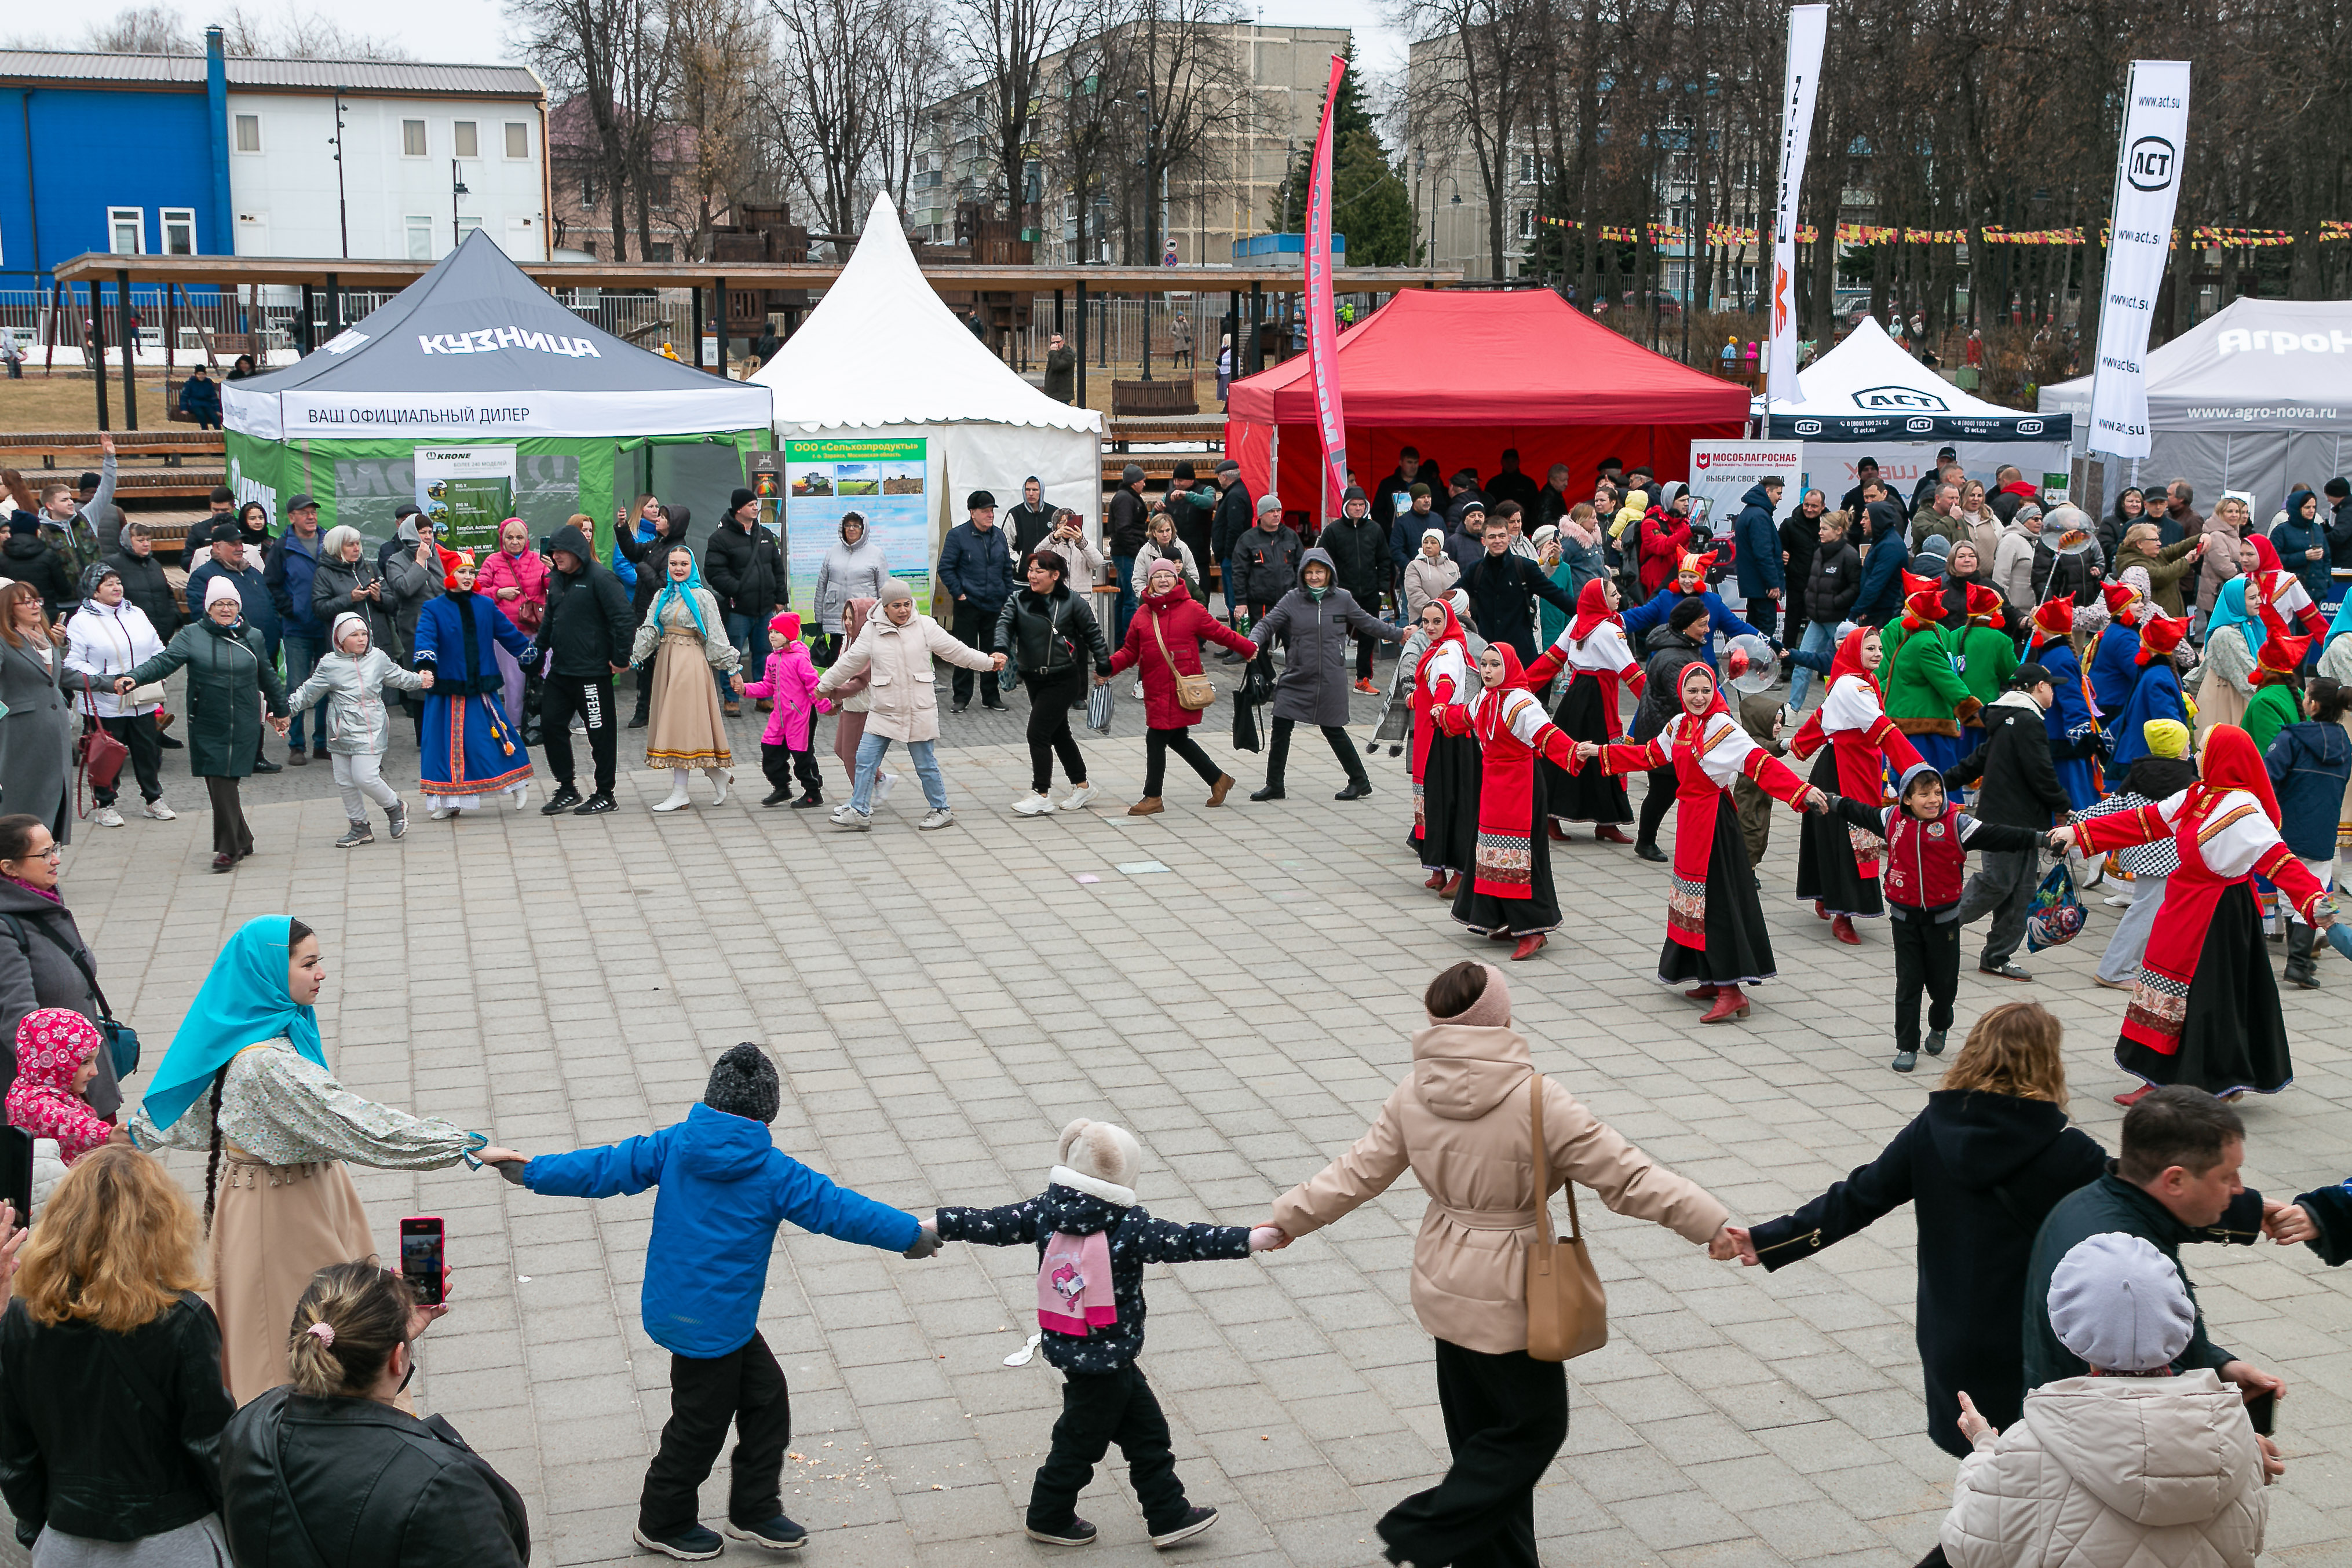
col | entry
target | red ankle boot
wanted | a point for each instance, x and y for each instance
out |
(1454, 885)
(1559, 834)
(1436, 880)
(2135, 1095)
(1820, 912)
(1728, 1005)
(1529, 946)
(1610, 833)
(1842, 929)
(1702, 993)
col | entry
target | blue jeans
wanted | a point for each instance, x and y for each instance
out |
(1820, 639)
(739, 632)
(870, 748)
(301, 658)
(1124, 565)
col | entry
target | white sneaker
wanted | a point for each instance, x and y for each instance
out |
(883, 784)
(160, 812)
(1077, 797)
(939, 819)
(856, 822)
(1036, 804)
(106, 817)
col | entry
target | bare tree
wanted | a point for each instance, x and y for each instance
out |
(1004, 44)
(826, 118)
(581, 48)
(907, 77)
(1186, 66)
(152, 29)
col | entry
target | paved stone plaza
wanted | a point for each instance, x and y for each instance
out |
(1242, 995)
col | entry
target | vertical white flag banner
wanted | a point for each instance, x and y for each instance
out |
(1809, 26)
(2139, 248)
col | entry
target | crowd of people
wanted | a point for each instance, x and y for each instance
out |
(2001, 675)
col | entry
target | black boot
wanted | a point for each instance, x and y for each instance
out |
(1278, 757)
(2300, 969)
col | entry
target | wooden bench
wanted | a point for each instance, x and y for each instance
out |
(80, 447)
(1190, 430)
(1153, 399)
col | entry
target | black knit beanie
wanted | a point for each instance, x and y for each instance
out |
(744, 1084)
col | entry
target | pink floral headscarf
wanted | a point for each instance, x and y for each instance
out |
(52, 1043)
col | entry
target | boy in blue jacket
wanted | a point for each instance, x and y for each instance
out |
(724, 1188)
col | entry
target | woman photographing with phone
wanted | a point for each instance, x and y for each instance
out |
(245, 1082)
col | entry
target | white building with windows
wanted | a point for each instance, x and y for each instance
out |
(354, 158)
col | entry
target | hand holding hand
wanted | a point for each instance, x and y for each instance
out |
(735, 680)
(1267, 1239)
(425, 677)
(2287, 1223)
(1586, 750)
(125, 683)
(996, 662)
(1733, 1241)
(280, 725)
(926, 1241)
(1971, 1423)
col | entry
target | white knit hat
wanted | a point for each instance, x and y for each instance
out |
(1100, 1158)
(2119, 1304)
(221, 588)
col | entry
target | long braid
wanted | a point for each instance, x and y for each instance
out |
(212, 1161)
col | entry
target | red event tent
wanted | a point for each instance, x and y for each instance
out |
(1462, 376)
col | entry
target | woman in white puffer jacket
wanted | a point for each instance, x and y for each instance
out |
(2130, 1467)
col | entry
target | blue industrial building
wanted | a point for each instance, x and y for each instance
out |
(112, 152)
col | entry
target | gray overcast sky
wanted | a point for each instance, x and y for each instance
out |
(472, 31)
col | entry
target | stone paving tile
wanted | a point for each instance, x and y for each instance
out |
(943, 1003)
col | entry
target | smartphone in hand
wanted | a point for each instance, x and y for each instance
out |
(424, 1257)
(2263, 1411)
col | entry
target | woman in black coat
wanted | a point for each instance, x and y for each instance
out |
(1990, 1156)
(332, 1458)
(44, 962)
(111, 1398)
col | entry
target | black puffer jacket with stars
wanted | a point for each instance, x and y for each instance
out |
(1136, 1239)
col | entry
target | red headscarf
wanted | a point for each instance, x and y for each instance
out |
(1714, 704)
(2265, 553)
(2159, 636)
(1515, 677)
(2231, 762)
(1592, 611)
(1452, 632)
(1849, 660)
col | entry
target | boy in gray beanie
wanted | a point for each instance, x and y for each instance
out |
(724, 1187)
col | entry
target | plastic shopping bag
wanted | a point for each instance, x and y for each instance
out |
(1100, 704)
(2056, 916)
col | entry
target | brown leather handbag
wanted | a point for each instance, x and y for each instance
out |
(1193, 692)
(1568, 1312)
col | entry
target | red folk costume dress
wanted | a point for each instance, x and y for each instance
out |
(1593, 648)
(1444, 765)
(1715, 926)
(1510, 889)
(2278, 598)
(1837, 865)
(2206, 1010)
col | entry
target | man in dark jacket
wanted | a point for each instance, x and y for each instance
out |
(292, 563)
(1236, 514)
(143, 582)
(585, 634)
(260, 609)
(743, 562)
(1060, 370)
(1832, 579)
(1511, 485)
(1124, 533)
(1032, 521)
(1386, 502)
(1264, 562)
(1756, 545)
(1465, 532)
(2174, 1180)
(26, 558)
(976, 569)
(1880, 599)
(2337, 515)
(1405, 530)
(1503, 587)
(1359, 548)
(1801, 536)
(1682, 641)
(1865, 474)
(2020, 788)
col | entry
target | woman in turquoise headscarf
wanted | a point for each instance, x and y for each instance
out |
(247, 1083)
(2335, 664)
(2232, 639)
(687, 731)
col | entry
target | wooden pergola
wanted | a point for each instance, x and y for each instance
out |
(332, 274)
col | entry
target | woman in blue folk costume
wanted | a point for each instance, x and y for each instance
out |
(471, 750)
(2074, 730)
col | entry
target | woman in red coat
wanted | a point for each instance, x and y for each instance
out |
(1665, 534)
(1163, 640)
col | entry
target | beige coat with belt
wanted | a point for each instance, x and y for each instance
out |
(1460, 1122)
(904, 692)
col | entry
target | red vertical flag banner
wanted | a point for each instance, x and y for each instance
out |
(1322, 311)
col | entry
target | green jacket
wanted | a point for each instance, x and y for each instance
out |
(2272, 709)
(2108, 1204)
(1924, 692)
(228, 678)
(1987, 658)
(2165, 570)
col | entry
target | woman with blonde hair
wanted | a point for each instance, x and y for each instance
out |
(335, 1457)
(111, 1399)
(1990, 1157)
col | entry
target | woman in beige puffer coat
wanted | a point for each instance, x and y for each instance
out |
(894, 651)
(1460, 1120)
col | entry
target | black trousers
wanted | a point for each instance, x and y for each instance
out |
(1099, 1408)
(231, 836)
(1158, 743)
(975, 627)
(1506, 1418)
(138, 732)
(590, 697)
(1343, 747)
(1364, 646)
(746, 1387)
(1049, 728)
(1657, 804)
(1764, 614)
(781, 764)
(1927, 956)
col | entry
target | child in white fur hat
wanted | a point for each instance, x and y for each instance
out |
(1092, 1241)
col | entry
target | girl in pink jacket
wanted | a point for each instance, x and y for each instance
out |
(790, 682)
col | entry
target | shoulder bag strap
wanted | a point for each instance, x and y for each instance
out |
(80, 959)
(1544, 1235)
(1162, 637)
